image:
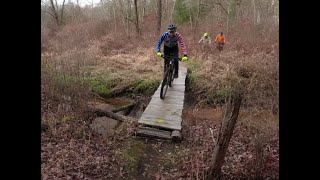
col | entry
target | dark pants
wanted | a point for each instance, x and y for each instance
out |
(176, 62)
(220, 46)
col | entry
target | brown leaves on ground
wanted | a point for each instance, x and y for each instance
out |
(241, 158)
(90, 157)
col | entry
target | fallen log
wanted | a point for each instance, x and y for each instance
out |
(112, 115)
(123, 108)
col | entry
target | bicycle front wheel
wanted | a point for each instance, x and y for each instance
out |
(165, 83)
(171, 76)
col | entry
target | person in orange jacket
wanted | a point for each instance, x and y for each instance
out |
(221, 40)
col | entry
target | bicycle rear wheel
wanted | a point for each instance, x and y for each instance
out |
(164, 84)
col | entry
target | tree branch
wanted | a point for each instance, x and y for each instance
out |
(112, 115)
(131, 20)
(223, 8)
(44, 3)
(49, 13)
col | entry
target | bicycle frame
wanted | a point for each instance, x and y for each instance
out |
(168, 75)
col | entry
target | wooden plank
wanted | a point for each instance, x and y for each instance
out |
(167, 126)
(166, 113)
(180, 87)
(159, 112)
(158, 89)
(162, 120)
(172, 109)
(167, 102)
(162, 112)
(174, 114)
(170, 93)
(176, 87)
(163, 125)
(153, 132)
(155, 105)
(178, 82)
(159, 115)
(167, 98)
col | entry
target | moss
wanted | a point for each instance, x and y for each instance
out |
(146, 86)
(113, 84)
(132, 156)
(99, 87)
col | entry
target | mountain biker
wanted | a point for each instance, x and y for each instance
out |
(220, 39)
(171, 39)
(205, 39)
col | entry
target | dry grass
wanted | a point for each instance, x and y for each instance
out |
(216, 76)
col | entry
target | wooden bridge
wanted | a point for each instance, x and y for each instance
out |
(162, 117)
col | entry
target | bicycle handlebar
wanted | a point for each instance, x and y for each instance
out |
(163, 56)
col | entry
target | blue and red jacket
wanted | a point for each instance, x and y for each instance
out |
(171, 43)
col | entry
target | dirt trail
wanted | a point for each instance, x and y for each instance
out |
(161, 157)
(156, 159)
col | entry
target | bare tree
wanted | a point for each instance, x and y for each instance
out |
(114, 18)
(171, 16)
(159, 17)
(54, 11)
(61, 15)
(143, 11)
(137, 18)
(125, 16)
(225, 134)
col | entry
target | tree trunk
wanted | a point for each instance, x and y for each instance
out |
(124, 15)
(143, 13)
(125, 107)
(198, 15)
(129, 16)
(54, 11)
(137, 18)
(159, 18)
(191, 24)
(254, 20)
(115, 19)
(112, 115)
(225, 134)
(61, 15)
(172, 11)
(196, 24)
(228, 18)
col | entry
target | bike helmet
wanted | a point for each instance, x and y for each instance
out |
(221, 32)
(205, 34)
(172, 27)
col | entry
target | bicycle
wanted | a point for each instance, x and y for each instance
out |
(168, 75)
(220, 46)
